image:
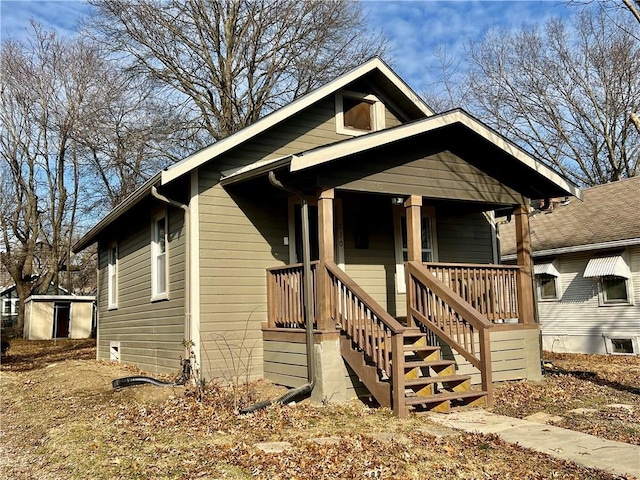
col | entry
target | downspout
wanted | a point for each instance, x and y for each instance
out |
(187, 268)
(306, 389)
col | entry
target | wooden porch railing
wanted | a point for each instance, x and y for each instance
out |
(371, 328)
(285, 295)
(436, 306)
(490, 289)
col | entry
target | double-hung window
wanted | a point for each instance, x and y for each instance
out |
(159, 258)
(112, 274)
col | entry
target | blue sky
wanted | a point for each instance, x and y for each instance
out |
(416, 28)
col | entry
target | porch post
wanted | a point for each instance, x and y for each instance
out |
(326, 254)
(524, 287)
(414, 228)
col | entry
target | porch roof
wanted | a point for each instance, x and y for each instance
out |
(459, 131)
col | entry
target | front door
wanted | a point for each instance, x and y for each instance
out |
(61, 319)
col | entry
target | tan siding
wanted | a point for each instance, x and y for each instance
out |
(441, 175)
(372, 268)
(81, 317)
(241, 235)
(39, 325)
(577, 322)
(150, 333)
(515, 355)
(464, 238)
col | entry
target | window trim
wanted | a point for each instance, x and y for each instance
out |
(155, 294)
(112, 272)
(398, 213)
(556, 284)
(602, 302)
(608, 342)
(377, 113)
(13, 310)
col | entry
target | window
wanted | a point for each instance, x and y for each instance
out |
(357, 113)
(159, 264)
(9, 307)
(112, 274)
(546, 285)
(614, 289)
(429, 246)
(613, 275)
(621, 343)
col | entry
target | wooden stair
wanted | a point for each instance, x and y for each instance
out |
(431, 383)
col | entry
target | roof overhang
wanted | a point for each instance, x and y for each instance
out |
(224, 145)
(140, 193)
(578, 248)
(60, 298)
(444, 120)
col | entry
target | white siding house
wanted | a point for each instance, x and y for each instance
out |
(587, 266)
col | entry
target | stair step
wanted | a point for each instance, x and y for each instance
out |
(443, 397)
(444, 379)
(414, 332)
(425, 348)
(429, 363)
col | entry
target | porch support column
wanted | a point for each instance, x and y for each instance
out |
(526, 308)
(326, 254)
(414, 228)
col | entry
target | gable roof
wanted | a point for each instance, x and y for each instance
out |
(372, 66)
(244, 134)
(475, 132)
(607, 218)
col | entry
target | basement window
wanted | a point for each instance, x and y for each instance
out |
(619, 343)
(114, 351)
(358, 113)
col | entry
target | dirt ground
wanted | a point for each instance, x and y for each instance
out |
(60, 418)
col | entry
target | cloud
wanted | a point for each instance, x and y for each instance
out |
(61, 15)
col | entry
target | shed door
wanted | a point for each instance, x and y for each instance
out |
(61, 318)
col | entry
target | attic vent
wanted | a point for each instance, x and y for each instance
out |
(358, 113)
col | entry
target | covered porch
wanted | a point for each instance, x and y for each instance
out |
(403, 286)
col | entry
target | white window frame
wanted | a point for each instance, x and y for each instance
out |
(13, 309)
(602, 302)
(556, 283)
(112, 276)
(398, 213)
(114, 351)
(377, 113)
(156, 294)
(608, 342)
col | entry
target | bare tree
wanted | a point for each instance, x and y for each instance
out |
(232, 61)
(565, 91)
(76, 136)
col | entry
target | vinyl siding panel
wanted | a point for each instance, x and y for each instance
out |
(577, 322)
(441, 175)
(150, 333)
(241, 235)
(464, 238)
(515, 355)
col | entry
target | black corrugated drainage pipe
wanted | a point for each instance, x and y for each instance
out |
(306, 389)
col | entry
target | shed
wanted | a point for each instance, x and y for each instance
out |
(59, 316)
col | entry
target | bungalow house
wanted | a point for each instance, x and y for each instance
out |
(402, 288)
(587, 269)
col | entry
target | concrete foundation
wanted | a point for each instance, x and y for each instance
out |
(331, 373)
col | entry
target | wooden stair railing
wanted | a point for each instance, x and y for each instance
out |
(373, 332)
(432, 304)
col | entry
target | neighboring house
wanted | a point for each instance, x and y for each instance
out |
(207, 252)
(587, 269)
(9, 304)
(58, 316)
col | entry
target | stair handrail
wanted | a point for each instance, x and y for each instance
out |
(392, 332)
(418, 273)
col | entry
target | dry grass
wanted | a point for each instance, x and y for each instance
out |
(61, 419)
(574, 381)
